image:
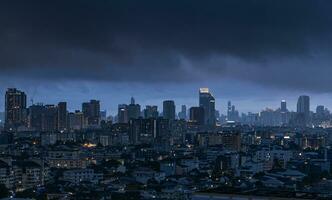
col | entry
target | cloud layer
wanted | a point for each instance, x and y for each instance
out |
(282, 44)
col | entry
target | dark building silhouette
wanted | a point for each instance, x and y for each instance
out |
(36, 113)
(50, 118)
(91, 112)
(134, 110)
(207, 102)
(303, 109)
(62, 116)
(197, 115)
(148, 131)
(169, 110)
(183, 113)
(123, 113)
(151, 112)
(15, 108)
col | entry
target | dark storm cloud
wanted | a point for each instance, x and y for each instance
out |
(277, 43)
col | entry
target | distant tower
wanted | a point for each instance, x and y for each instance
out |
(283, 106)
(303, 105)
(197, 115)
(183, 113)
(207, 102)
(132, 100)
(62, 116)
(169, 109)
(134, 110)
(303, 108)
(91, 111)
(15, 108)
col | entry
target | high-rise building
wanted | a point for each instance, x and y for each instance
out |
(123, 113)
(303, 105)
(76, 120)
(232, 113)
(103, 115)
(15, 108)
(303, 109)
(91, 111)
(62, 116)
(197, 115)
(142, 131)
(207, 102)
(320, 110)
(134, 110)
(151, 112)
(284, 114)
(283, 106)
(169, 110)
(36, 113)
(147, 131)
(183, 113)
(50, 118)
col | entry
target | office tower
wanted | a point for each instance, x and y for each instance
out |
(303, 111)
(183, 113)
(169, 110)
(134, 110)
(142, 131)
(229, 109)
(50, 118)
(283, 106)
(320, 110)
(62, 116)
(232, 113)
(303, 105)
(207, 102)
(35, 118)
(122, 113)
(151, 112)
(284, 114)
(15, 108)
(147, 131)
(197, 115)
(103, 115)
(91, 111)
(76, 120)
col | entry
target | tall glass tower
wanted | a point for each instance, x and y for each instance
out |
(207, 102)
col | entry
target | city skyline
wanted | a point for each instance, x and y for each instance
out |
(167, 100)
(291, 107)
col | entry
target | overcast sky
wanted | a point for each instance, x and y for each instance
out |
(253, 52)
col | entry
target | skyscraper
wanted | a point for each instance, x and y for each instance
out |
(134, 110)
(197, 115)
(15, 108)
(283, 106)
(50, 118)
(62, 116)
(91, 111)
(36, 113)
(151, 112)
(123, 113)
(303, 105)
(284, 114)
(207, 102)
(183, 113)
(303, 108)
(169, 110)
